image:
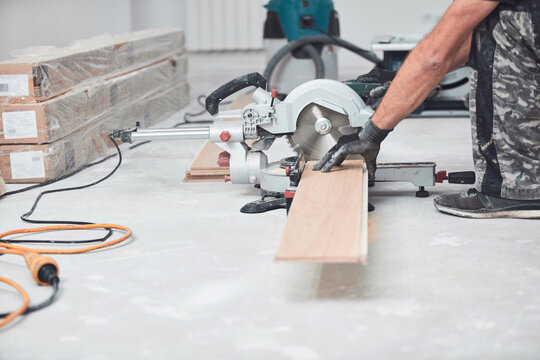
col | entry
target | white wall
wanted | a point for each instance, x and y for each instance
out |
(225, 24)
(26, 23)
(147, 14)
(361, 20)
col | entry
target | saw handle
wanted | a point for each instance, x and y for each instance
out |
(458, 177)
(462, 177)
(233, 86)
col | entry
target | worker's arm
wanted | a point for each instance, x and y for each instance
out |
(462, 55)
(444, 49)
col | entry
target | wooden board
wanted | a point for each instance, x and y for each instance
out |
(204, 178)
(2, 186)
(204, 167)
(327, 221)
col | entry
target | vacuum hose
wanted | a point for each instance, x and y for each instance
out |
(306, 44)
(312, 52)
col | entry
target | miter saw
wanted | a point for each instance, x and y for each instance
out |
(312, 118)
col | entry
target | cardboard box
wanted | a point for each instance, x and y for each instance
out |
(2, 185)
(34, 78)
(41, 162)
(50, 120)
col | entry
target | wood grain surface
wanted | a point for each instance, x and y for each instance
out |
(327, 221)
(204, 167)
(2, 186)
(205, 163)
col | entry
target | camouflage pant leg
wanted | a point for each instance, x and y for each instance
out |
(506, 142)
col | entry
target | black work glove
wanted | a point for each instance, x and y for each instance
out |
(366, 142)
(379, 76)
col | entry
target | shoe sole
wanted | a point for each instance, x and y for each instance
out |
(514, 214)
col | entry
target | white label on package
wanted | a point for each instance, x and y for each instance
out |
(27, 165)
(19, 124)
(14, 85)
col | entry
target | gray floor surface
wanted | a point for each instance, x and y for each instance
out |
(198, 279)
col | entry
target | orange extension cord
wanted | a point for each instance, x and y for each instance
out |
(22, 309)
(7, 248)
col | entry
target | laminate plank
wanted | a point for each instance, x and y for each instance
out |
(2, 186)
(327, 221)
(205, 167)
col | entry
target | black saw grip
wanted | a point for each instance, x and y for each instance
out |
(233, 86)
(462, 177)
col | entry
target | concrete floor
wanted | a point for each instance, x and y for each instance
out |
(198, 280)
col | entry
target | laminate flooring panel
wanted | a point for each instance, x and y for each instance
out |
(205, 167)
(327, 221)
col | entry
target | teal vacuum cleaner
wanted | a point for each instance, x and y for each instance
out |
(299, 41)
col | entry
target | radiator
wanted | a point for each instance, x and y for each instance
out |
(224, 24)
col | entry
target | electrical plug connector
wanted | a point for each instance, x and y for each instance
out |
(44, 270)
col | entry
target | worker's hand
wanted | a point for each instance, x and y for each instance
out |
(378, 76)
(366, 143)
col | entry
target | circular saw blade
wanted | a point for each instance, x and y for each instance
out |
(308, 141)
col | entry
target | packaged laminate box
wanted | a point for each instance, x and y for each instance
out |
(37, 74)
(2, 185)
(50, 120)
(41, 162)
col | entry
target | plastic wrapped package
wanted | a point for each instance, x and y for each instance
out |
(41, 162)
(48, 121)
(2, 185)
(42, 73)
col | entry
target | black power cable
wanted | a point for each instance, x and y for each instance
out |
(49, 182)
(52, 279)
(188, 116)
(25, 216)
(186, 120)
(48, 275)
(55, 285)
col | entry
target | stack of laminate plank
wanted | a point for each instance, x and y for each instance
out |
(205, 166)
(57, 109)
(2, 185)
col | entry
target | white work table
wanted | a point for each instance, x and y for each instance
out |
(198, 279)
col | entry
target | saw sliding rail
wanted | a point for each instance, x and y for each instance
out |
(186, 133)
(420, 174)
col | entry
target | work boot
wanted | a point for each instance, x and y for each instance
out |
(474, 204)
